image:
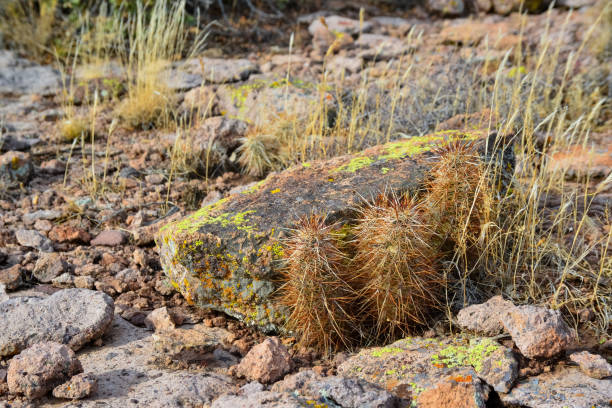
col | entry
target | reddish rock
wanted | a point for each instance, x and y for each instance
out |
(462, 390)
(80, 386)
(109, 238)
(485, 318)
(40, 368)
(537, 331)
(266, 362)
(66, 233)
(11, 277)
(592, 365)
(49, 266)
(160, 320)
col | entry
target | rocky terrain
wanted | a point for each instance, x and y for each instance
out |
(125, 280)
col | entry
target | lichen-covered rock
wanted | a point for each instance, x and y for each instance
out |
(16, 167)
(564, 387)
(461, 390)
(225, 255)
(40, 368)
(413, 365)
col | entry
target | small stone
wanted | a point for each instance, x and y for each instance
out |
(49, 266)
(190, 343)
(16, 167)
(84, 282)
(40, 368)
(219, 321)
(537, 331)
(160, 320)
(504, 7)
(53, 166)
(108, 238)
(65, 280)
(266, 362)
(66, 233)
(154, 179)
(32, 217)
(592, 365)
(43, 225)
(447, 8)
(78, 387)
(11, 277)
(485, 318)
(33, 239)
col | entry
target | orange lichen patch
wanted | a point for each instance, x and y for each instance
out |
(462, 379)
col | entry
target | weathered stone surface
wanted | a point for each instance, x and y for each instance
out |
(160, 320)
(537, 331)
(446, 7)
(72, 317)
(339, 24)
(49, 266)
(485, 318)
(109, 238)
(592, 365)
(33, 239)
(16, 167)
(191, 343)
(31, 217)
(3, 295)
(380, 47)
(413, 365)
(197, 71)
(40, 368)
(266, 362)
(11, 277)
(564, 387)
(223, 256)
(261, 97)
(346, 392)
(19, 76)
(253, 395)
(460, 390)
(80, 386)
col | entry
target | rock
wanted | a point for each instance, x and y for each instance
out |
(72, 316)
(160, 320)
(576, 3)
(66, 233)
(579, 162)
(266, 362)
(484, 5)
(459, 390)
(16, 167)
(537, 331)
(339, 24)
(201, 100)
(84, 282)
(11, 278)
(31, 218)
(53, 167)
(10, 142)
(236, 239)
(108, 238)
(446, 8)
(346, 392)
(380, 47)
(78, 387)
(194, 72)
(504, 7)
(33, 239)
(564, 387)
(191, 343)
(350, 64)
(19, 76)
(592, 365)
(49, 266)
(40, 368)
(262, 98)
(3, 296)
(485, 318)
(413, 365)
(258, 399)
(65, 280)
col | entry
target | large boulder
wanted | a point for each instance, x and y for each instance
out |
(225, 255)
(72, 317)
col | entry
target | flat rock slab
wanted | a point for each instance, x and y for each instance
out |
(72, 317)
(414, 365)
(126, 379)
(19, 76)
(224, 256)
(197, 71)
(564, 387)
